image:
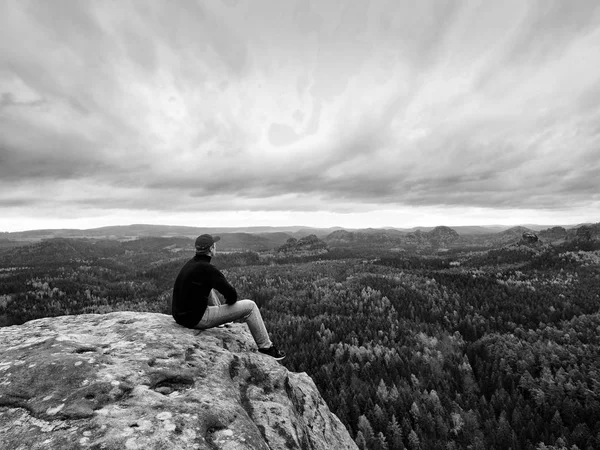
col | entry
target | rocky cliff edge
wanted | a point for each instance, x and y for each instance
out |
(139, 381)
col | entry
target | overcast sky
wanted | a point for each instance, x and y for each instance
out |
(350, 113)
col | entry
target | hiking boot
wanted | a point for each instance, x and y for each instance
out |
(273, 352)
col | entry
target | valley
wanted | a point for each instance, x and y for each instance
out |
(418, 340)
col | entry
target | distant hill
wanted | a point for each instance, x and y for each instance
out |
(477, 230)
(487, 229)
(305, 246)
(249, 241)
(272, 238)
(392, 238)
(142, 230)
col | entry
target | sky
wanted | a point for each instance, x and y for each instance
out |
(381, 113)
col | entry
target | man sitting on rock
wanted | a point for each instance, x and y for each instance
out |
(195, 305)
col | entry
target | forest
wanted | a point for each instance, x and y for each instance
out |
(467, 349)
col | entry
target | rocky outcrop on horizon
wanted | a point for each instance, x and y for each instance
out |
(529, 237)
(529, 241)
(130, 380)
(306, 246)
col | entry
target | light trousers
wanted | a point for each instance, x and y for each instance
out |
(246, 310)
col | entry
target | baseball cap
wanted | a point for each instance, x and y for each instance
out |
(205, 241)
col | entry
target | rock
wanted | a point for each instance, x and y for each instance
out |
(529, 242)
(130, 380)
(529, 237)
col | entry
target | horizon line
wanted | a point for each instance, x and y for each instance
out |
(300, 227)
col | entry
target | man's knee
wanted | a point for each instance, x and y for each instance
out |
(249, 308)
(248, 303)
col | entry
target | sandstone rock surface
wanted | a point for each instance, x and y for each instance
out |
(529, 237)
(130, 380)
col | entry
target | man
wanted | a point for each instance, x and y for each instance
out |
(195, 305)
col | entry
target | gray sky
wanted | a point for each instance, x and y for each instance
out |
(350, 113)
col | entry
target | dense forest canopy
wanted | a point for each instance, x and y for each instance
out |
(474, 348)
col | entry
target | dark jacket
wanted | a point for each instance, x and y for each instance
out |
(192, 288)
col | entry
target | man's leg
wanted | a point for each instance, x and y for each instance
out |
(245, 310)
(213, 300)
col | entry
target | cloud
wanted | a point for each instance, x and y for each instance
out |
(299, 106)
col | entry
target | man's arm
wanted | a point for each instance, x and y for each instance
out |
(213, 299)
(221, 284)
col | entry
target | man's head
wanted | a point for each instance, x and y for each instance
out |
(205, 244)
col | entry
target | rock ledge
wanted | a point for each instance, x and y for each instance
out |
(131, 380)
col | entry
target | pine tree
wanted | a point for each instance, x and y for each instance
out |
(413, 441)
(505, 436)
(394, 433)
(379, 418)
(557, 425)
(415, 412)
(380, 443)
(360, 441)
(382, 391)
(364, 427)
(406, 426)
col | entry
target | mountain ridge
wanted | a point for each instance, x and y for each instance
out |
(181, 230)
(440, 238)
